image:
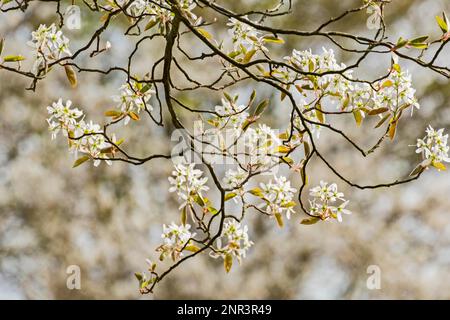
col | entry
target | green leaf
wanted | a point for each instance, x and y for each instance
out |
(138, 276)
(205, 33)
(392, 130)
(357, 114)
(383, 120)
(419, 45)
(374, 112)
(234, 54)
(273, 39)
(310, 221)
(249, 55)
(256, 192)
(401, 43)
(213, 210)
(288, 160)
(261, 107)
(418, 39)
(230, 195)
(13, 58)
(71, 75)
(307, 148)
(2, 44)
(80, 161)
(319, 114)
(184, 215)
(133, 115)
(439, 165)
(113, 113)
(279, 219)
(199, 200)
(228, 262)
(289, 204)
(151, 24)
(442, 24)
(282, 149)
(192, 248)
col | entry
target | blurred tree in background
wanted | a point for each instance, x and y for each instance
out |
(107, 219)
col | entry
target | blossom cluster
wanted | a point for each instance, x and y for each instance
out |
(175, 239)
(188, 183)
(84, 137)
(247, 40)
(323, 203)
(253, 147)
(235, 178)
(49, 45)
(434, 146)
(158, 11)
(236, 240)
(133, 98)
(321, 74)
(278, 196)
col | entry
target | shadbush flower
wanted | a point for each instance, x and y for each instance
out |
(188, 183)
(434, 147)
(176, 238)
(324, 198)
(133, 98)
(49, 45)
(83, 137)
(278, 197)
(236, 240)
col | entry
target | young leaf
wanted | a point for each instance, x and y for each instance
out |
(319, 114)
(261, 107)
(249, 55)
(80, 161)
(205, 33)
(133, 115)
(192, 248)
(151, 24)
(113, 113)
(273, 39)
(230, 195)
(383, 120)
(377, 111)
(357, 114)
(283, 149)
(309, 221)
(13, 58)
(184, 215)
(71, 75)
(392, 130)
(439, 165)
(228, 262)
(279, 219)
(442, 24)
(256, 192)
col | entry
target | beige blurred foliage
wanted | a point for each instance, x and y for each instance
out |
(108, 220)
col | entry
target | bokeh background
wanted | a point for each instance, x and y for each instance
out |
(108, 220)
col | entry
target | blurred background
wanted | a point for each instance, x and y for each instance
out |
(108, 220)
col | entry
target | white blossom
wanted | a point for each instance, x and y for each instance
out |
(175, 239)
(49, 45)
(133, 97)
(434, 146)
(84, 137)
(236, 240)
(324, 202)
(278, 196)
(188, 183)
